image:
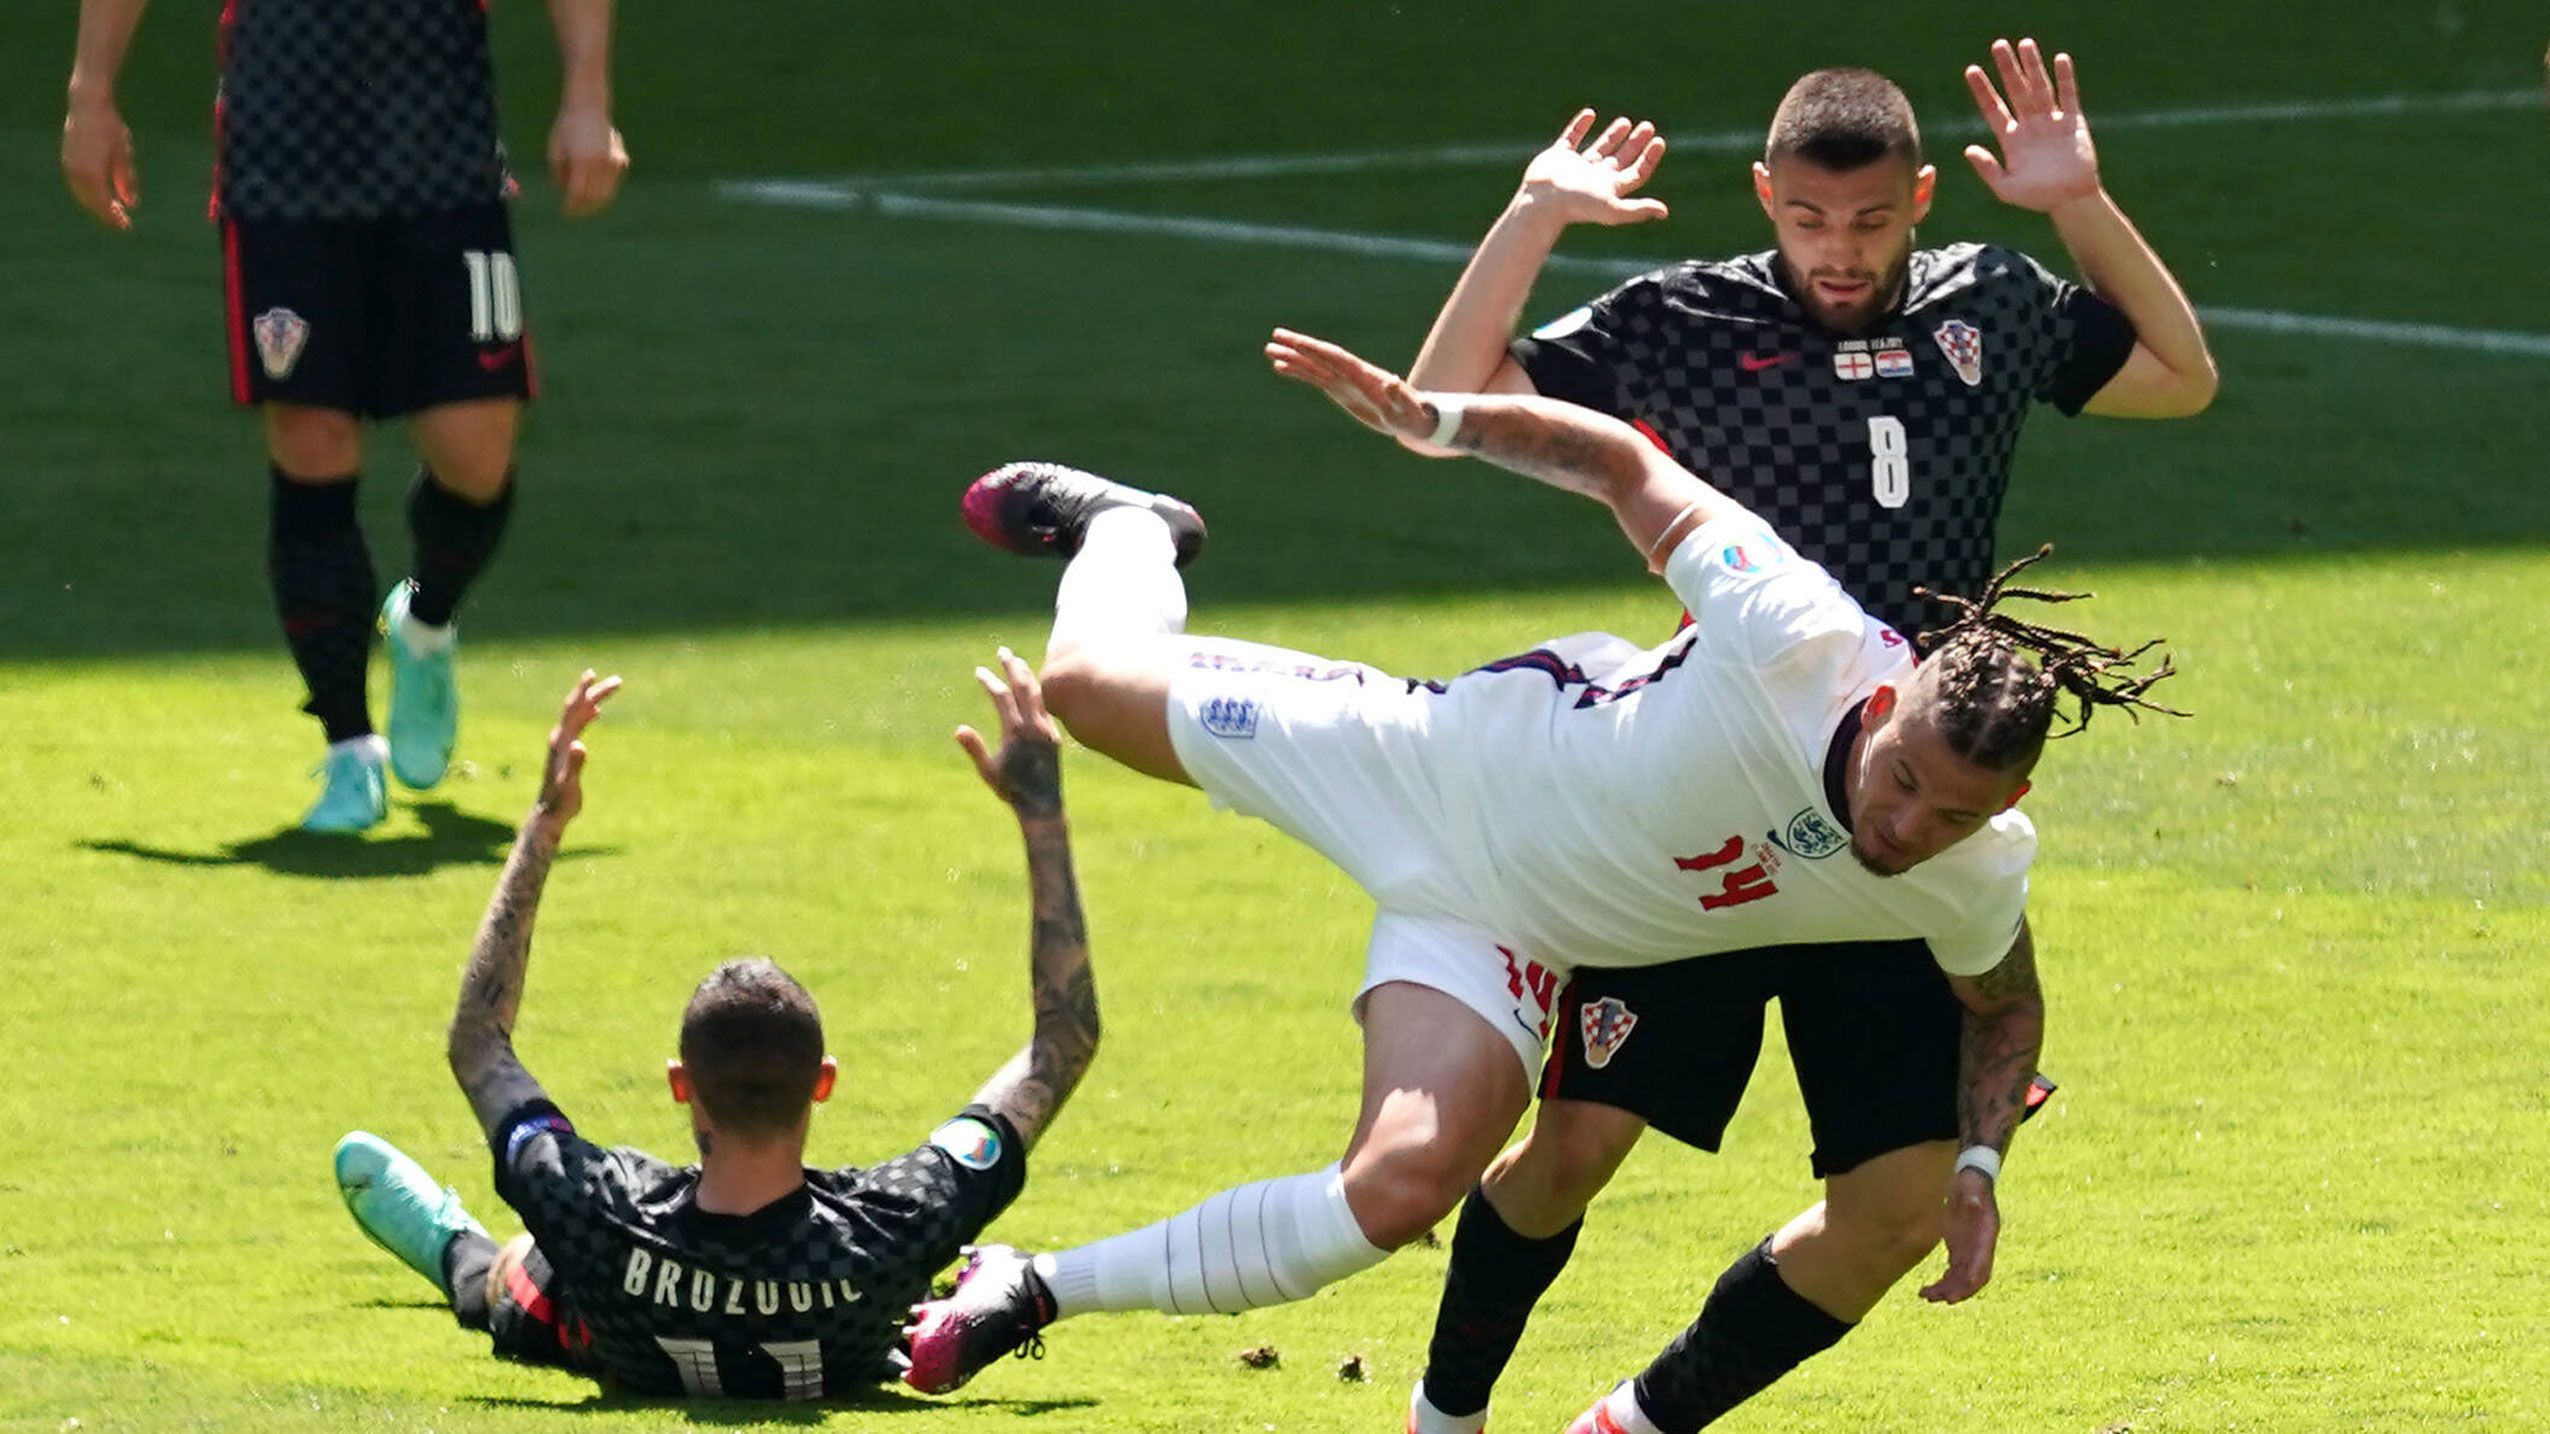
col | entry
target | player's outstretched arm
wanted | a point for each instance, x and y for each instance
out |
(1996, 1063)
(1655, 499)
(1575, 180)
(481, 1043)
(97, 147)
(586, 156)
(1027, 773)
(2048, 163)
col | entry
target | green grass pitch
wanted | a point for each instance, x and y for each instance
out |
(2292, 947)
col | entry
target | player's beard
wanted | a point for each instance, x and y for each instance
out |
(1870, 864)
(1885, 290)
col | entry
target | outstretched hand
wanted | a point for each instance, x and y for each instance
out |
(1591, 183)
(1027, 770)
(2046, 156)
(562, 780)
(1373, 396)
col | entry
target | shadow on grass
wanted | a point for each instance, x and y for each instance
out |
(732, 1413)
(451, 837)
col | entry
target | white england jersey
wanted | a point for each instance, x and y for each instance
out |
(1611, 806)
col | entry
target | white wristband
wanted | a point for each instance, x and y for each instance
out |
(1448, 407)
(1983, 1158)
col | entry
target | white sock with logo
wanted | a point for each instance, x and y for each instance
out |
(1264, 1244)
(1122, 583)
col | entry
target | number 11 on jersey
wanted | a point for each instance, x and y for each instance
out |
(1889, 467)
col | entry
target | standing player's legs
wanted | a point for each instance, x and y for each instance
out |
(1873, 1033)
(1673, 1045)
(458, 362)
(1517, 1231)
(299, 332)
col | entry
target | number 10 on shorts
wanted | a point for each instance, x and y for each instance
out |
(1889, 466)
(495, 296)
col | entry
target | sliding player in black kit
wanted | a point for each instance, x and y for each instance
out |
(749, 1274)
(1865, 397)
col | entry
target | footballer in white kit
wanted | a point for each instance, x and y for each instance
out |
(1778, 773)
(1593, 803)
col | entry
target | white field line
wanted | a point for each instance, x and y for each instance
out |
(1724, 141)
(827, 195)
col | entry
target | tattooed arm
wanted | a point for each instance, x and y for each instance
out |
(1027, 773)
(1996, 1062)
(1656, 500)
(481, 1043)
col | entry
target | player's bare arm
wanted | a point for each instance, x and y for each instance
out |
(1655, 499)
(1026, 772)
(481, 1044)
(2049, 164)
(1997, 1061)
(586, 156)
(1576, 180)
(97, 147)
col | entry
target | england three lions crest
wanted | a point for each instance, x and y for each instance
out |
(1606, 1025)
(1962, 342)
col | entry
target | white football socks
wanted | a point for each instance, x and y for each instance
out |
(1264, 1244)
(1122, 583)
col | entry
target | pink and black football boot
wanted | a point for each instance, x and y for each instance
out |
(998, 1306)
(1033, 508)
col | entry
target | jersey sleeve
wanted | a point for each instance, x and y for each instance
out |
(1586, 355)
(955, 1183)
(544, 1170)
(2087, 342)
(1753, 597)
(1985, 928)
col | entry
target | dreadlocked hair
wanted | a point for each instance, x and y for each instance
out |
(1996, 706)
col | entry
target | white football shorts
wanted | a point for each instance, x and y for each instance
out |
(1335, 755)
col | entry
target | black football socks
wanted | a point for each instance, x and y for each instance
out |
(454, 539)
(1753, 1330)
(1495, 1278)
(323, 591)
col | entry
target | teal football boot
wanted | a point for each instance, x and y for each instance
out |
(424, 698)
(353, 795)
(399, 1205)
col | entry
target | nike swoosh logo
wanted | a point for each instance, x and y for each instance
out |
(500, 358)
(1755, 363)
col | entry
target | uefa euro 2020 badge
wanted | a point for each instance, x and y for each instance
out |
(1230, 718)
(969, 1142)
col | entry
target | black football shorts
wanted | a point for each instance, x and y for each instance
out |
(1873, 1029)
(375, 317)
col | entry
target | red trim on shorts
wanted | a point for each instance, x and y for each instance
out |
(235, 291)
(1557, 1062)
(526, 1294)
